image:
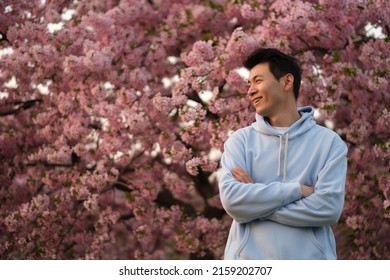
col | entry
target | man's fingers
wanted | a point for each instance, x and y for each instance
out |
(238, 175)
(241, 175)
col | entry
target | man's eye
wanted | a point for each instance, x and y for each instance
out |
(258, 81)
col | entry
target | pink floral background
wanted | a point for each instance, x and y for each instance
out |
(113, 116)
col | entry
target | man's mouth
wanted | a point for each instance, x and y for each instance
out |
(256, 100)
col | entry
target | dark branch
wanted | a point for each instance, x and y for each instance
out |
(166, 199)
(309, 47)
(202, 184)
(206, 190)
(21, 106)
(5, 38)
(122, 186)
(125, 217)
(49, 164)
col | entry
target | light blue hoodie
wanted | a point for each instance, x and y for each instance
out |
(271, 219)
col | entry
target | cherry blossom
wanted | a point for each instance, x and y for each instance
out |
(109, 125)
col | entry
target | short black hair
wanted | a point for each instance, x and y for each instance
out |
(279, 63)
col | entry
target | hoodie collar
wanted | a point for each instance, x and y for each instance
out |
(301, 126)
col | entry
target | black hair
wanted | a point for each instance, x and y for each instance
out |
(279, 63)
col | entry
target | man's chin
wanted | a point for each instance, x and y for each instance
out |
(261, 113)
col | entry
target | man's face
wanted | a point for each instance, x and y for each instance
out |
(265, 92)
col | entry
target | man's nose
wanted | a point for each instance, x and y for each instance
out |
(251, 90)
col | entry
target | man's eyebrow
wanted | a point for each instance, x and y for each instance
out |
(255, 77)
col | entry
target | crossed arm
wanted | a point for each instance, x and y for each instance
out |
(288, 203)
(242, 176)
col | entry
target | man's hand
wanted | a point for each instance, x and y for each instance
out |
(241, 175)
(306, 190)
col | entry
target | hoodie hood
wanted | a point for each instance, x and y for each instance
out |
(301, 126)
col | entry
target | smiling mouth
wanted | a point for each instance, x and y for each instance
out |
(256, 100)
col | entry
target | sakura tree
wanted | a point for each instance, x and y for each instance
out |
(113, 116)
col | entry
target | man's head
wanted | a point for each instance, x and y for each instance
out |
(279, 64)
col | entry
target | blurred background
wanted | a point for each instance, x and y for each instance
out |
(113, 116)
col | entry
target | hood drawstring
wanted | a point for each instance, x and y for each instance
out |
(280, 152)
(285, 156)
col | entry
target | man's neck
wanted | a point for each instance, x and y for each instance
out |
(285, 119)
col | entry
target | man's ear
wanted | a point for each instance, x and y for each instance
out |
(288, 82)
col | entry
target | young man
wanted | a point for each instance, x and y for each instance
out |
(283, 177)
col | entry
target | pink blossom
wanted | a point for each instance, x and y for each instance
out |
(251, 13)
(192, 166)
(97, 61)
(162, 103)
(111, 163)
(237, 82)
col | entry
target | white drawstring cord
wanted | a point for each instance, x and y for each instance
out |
(285, 158)
(280, 152)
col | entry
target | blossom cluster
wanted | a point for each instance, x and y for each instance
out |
(109, 124)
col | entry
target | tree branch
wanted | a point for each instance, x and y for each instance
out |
(387, 28)
(50, 164)
(21, 106)
(166, 199)
(5, 38)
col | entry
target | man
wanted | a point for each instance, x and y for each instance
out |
(283, 177)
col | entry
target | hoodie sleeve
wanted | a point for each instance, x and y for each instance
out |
(324, 206)
(247, 202)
